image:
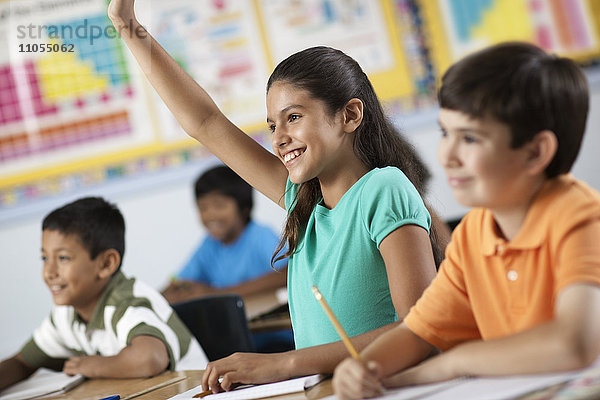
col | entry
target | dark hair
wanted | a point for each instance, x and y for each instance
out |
(527, 89)
(334, 78)
(99, 225)
(223, 180)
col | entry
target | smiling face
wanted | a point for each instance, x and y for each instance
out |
(72, 277)
(482, 169)
(310, 142)
(221, 216)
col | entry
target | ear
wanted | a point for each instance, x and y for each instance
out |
(353, 115)
(540, 151)
(109, 262)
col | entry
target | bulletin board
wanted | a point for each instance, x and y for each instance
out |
(80, 114)
(455, 28)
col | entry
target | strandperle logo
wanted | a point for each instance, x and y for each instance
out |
(84, 30)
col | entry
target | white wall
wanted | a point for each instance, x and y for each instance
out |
(162, 227)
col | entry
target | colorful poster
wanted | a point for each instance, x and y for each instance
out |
(473, 24)
(563, 26)
(362, 29)
(75, 110)
(67, 97)
(219, 44)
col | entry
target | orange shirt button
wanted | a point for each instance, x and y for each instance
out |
(512, 275)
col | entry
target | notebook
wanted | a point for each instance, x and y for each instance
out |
(43, 382)
(255, 391)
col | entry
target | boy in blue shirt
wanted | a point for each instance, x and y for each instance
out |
(235, 256)
(519, 289)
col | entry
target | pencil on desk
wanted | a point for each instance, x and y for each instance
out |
(337, 326)
(202, 394)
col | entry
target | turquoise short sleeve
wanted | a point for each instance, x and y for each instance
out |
(389, 201)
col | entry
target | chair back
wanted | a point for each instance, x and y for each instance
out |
(219, 323)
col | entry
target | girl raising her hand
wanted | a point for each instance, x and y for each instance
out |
(357, 227)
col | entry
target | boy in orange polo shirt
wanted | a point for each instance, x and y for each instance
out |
(519, 290)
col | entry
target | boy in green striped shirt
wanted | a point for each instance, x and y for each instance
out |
(103, 325)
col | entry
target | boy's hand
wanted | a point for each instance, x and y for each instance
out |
(80, 365)
(353, 380)
(145, 356)
(183, 290)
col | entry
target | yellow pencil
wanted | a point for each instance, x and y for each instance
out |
(202, 394)
(336, 325)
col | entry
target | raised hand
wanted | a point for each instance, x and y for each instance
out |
(121, 12)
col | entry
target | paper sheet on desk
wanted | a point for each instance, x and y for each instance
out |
(502, 388)
(476, 388)
(43, 382)
(251, 392)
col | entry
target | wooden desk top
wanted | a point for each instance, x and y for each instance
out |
(260, 303)
(586, 385)
(95, 389)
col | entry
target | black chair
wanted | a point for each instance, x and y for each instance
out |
(219, 323)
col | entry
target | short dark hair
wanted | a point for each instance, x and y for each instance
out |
(521, 85)
(98, 224)
(223, 180)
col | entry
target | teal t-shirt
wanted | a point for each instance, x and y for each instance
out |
(339, 253)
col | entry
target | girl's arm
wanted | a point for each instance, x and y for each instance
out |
(409, 262)
(146, 356)
(256, 368)
(194, 109)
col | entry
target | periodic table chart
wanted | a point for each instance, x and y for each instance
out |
(80, 114)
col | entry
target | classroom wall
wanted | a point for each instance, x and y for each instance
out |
(163, 228)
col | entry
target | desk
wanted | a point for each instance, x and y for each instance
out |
(95, 389)
(260, 303)
(587, 388)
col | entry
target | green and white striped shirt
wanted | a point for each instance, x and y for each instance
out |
(127, 308)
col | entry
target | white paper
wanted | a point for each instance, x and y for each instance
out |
(42, 382)
(477, 388)
(502, 388)
(251, 392)
(414, 392)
